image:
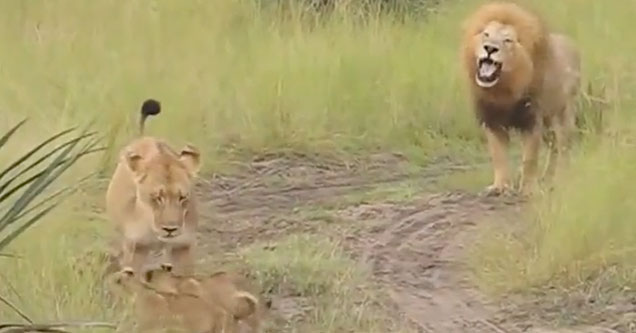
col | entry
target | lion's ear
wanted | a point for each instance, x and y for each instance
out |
(245, 304)
(191, 158)
(134, 161)
(192, 287)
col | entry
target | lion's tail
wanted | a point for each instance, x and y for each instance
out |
(150, 107)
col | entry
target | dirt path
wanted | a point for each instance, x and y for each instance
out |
(414, 247)
(416, 254)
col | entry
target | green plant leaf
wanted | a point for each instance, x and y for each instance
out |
(39, 184)
(27, 206)
(37, 148)
(18, 231)
(5, 138)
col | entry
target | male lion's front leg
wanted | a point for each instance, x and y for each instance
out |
(531, 140)
(182, 257)
(498, 140)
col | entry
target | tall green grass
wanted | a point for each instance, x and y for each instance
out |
(231, 75)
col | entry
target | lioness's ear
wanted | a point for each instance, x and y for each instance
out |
(191, 158)
(133, 160)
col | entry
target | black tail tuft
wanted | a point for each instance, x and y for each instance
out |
(150, 107)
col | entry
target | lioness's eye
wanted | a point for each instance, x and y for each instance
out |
(158, 199)
(507, 40)
(183, 198)
(486, 34)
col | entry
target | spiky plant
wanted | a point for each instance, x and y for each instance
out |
(25, 183)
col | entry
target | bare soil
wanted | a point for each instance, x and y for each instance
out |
(414, 247)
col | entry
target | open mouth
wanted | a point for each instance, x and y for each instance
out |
(488, 72)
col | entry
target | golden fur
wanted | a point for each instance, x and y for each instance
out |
(521, 77)
(160, 305)
(222, 289)
(150, 199)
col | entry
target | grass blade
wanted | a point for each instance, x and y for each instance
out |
(64, 191)
(53, 177)
(5, 138)
(15, 233)
(15, 309)
(39, 161)
(39, 185)
(34, 150)
(29, 180)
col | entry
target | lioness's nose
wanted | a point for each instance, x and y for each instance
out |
(169, 230)
(490, 49)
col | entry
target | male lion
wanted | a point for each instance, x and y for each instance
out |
(159, 304)
(150, 198)
(521, 77)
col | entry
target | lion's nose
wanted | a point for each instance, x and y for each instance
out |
(170, 230)
(490, 49)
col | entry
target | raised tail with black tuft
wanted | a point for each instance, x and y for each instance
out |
(150, 107)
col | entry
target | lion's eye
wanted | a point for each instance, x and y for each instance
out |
(486, 34)
(157, 199)
(507, 40)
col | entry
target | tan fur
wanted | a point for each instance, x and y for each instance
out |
(533, 89)
(222, 289)
(150, 201)
(160, 305)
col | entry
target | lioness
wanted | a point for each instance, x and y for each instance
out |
(160, 305)
(150, 199)
(521, 77)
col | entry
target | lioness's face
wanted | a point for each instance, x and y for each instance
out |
(164, 185)
(167, 192)
(495, 47)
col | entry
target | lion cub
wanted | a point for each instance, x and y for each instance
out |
(150, 199)
(162, 303)
(224, 290)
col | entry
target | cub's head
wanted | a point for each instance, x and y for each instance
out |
(162, 279)
(165, 181)
(125, 282)
(501, 45)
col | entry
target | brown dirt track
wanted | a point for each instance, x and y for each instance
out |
(414, 246)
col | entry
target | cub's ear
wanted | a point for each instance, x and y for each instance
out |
(245, 304)
(191, 158)
(191, 286)
(134, 162)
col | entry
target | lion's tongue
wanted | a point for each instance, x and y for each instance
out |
(487, 69)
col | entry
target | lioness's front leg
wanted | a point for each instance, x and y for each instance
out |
(182, 258)
(531, 140)
(498, 140)
(135, 255)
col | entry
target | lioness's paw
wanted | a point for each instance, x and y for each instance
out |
(496, 190)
